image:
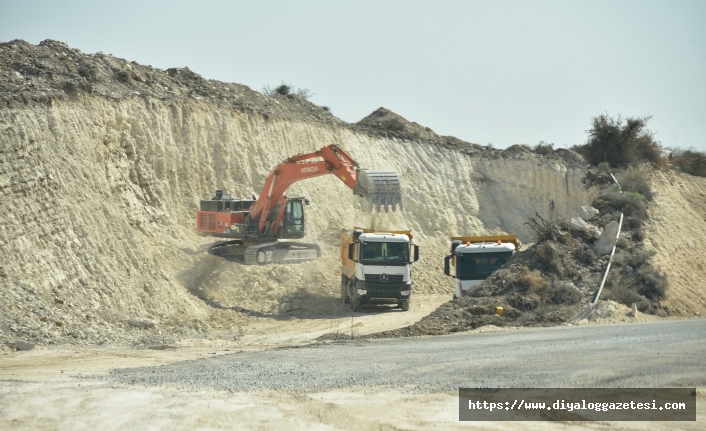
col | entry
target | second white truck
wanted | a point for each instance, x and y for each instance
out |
(474, 258)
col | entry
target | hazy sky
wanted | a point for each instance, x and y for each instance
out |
(500, 72)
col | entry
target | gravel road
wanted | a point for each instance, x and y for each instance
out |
(651, 354)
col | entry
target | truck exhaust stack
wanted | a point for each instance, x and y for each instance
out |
(382, 188)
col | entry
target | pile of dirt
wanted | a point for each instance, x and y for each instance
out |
(549, 283)
(612, 312)
(545, 285)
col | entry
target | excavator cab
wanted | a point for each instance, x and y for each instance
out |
(292, 224)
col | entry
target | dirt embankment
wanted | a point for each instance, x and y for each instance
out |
(103, 163)
(676, 230)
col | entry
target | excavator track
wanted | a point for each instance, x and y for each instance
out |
(224, 248)
(281, 253)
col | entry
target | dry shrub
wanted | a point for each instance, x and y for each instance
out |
(633, 208)
(543, 148)
(618, 288)
(643, 284)
(563, 293)
(632, 181)
(653, 284)
(530, 279)
(639, 235)
(622, 242)
(550, 257)
(585, 254)
(690, 161)
(547, 230)
(635, 258)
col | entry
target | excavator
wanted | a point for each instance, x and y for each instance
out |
(253, 228)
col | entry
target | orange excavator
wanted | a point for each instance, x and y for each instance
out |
(254, 227)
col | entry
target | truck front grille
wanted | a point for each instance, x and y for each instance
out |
(373, 281)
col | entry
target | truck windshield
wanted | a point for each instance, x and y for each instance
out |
(478, 266)
(385, 253)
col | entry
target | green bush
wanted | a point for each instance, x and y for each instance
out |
(620, 142)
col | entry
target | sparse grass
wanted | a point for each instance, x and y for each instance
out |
(637, 196)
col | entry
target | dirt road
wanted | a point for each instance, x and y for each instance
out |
(376, 384)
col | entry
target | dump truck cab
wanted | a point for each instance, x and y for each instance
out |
(376, 265)
(473, 259)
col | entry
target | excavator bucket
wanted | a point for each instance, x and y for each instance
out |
(382, 188)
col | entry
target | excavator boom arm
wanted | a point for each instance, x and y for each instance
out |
(300, 167)
(381, 187)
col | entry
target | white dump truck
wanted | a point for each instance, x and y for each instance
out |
(376, 266)
(474, 258)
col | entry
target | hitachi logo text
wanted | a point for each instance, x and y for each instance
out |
(310, 169)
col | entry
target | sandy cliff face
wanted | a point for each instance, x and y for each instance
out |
(677, 232)
(99, 190)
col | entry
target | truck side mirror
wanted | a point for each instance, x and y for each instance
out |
(351, 251)
(416, 252)
(447, 265)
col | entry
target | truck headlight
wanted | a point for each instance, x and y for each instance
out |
(362, 292)
(404, 292)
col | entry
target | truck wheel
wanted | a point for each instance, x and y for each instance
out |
(404, 305)
(355, 301)
(344, 290)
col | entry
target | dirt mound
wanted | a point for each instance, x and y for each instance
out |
(544, 285)
(53, 71)
(612, 312)
(387, 122)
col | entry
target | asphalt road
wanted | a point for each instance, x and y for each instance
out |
(652, 354)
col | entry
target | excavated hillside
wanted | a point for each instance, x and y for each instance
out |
(103, 163)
